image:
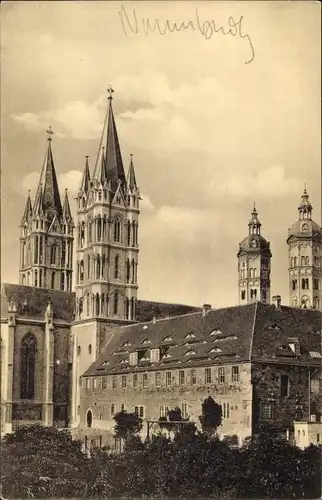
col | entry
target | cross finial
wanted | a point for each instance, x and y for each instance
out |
(50, 133)
(110, 92)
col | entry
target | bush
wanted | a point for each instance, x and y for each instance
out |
(44, 462)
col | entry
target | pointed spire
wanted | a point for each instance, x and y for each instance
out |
(254, 223)
(48, 185)
(28, 210)
(131, 180)
(38, 209)
(86, 179)
(67, 215)
(113, 158)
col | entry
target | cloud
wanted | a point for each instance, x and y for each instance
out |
(269, 182)
(146, 204)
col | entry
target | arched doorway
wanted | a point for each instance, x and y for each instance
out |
(89, 418)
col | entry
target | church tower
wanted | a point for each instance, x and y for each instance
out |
(254, 265)
(46, 240)
(106, 253)
(305, 259)
(107, 233)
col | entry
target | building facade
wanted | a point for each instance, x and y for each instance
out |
(260, 362)
(305, 259)
(254, 265)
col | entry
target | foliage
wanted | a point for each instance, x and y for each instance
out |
(211, 417)
(127, 424)
(44, 462)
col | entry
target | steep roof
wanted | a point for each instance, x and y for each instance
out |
(220, 335)
(254, 332)
(67, 214)
(109, 164)
(86, 179)
(32, 302)
(48, 190)
(131, 180)
(28, 211)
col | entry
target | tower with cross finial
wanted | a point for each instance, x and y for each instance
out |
(305, 258)
(254, 264)
(107, 250)
(46, 239)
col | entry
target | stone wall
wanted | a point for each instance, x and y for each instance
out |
(285, 407)
(104, 402)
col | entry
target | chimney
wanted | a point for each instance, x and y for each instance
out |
(277, 301)
(205, 309)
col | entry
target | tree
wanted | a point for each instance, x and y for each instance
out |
(211, 417)
(127, 424)
(43, 461)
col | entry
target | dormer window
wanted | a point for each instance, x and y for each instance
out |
(295, 346)
(166, 356)
(146, 341)
(123, 361)
(253, 243)
(167, 339)
(274, 327)
(105, 363)
(305, 228)
(215, 332)
(190, 336)
(127, 344)
(190, 353)
(215, 350)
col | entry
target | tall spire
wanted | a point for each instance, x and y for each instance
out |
(48, 185)
(67, 215)
(28, 210)
(86, 179)
(131, 180)
(111, 155)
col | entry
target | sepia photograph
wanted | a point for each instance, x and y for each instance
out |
(161, 250)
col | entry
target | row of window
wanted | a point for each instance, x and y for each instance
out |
(253, 294)
(139, 410)
(98, 230)
(184, 377)
(102, 305)
(98, 265)
(61, 280)
(304, 261)
(306, 303)
(305, 284)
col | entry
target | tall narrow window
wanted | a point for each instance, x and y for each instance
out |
(62, 281)
(53, 279)
(207, 376)
(53, 252)
(63, 254)
(117, 230)
(36, 278)
(116, 302)
(127, 308)
(285, 386)
(181, 377)
(28, 367)
(98, 267)
(36, 250)
(128, 270)
(129, 233)
(40, 278)
(88, 267)
(168, 378)
(116, 266)
(133, 271)
(81, 271)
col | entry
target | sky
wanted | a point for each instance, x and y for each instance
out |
(215, 122)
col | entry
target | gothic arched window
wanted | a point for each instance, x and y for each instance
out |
(127, 308)
(53, 279)
(89, 418)
(117, 230)
(53, 254)
(97, 305)
(28, 367)
(128, 270)
(98, 267)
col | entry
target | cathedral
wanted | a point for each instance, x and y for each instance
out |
(74, 358)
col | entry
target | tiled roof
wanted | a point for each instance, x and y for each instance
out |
(228, 329)
(256, 332)
(32, 302)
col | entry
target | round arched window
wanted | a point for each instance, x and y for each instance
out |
(305, 228)
(90, 349)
